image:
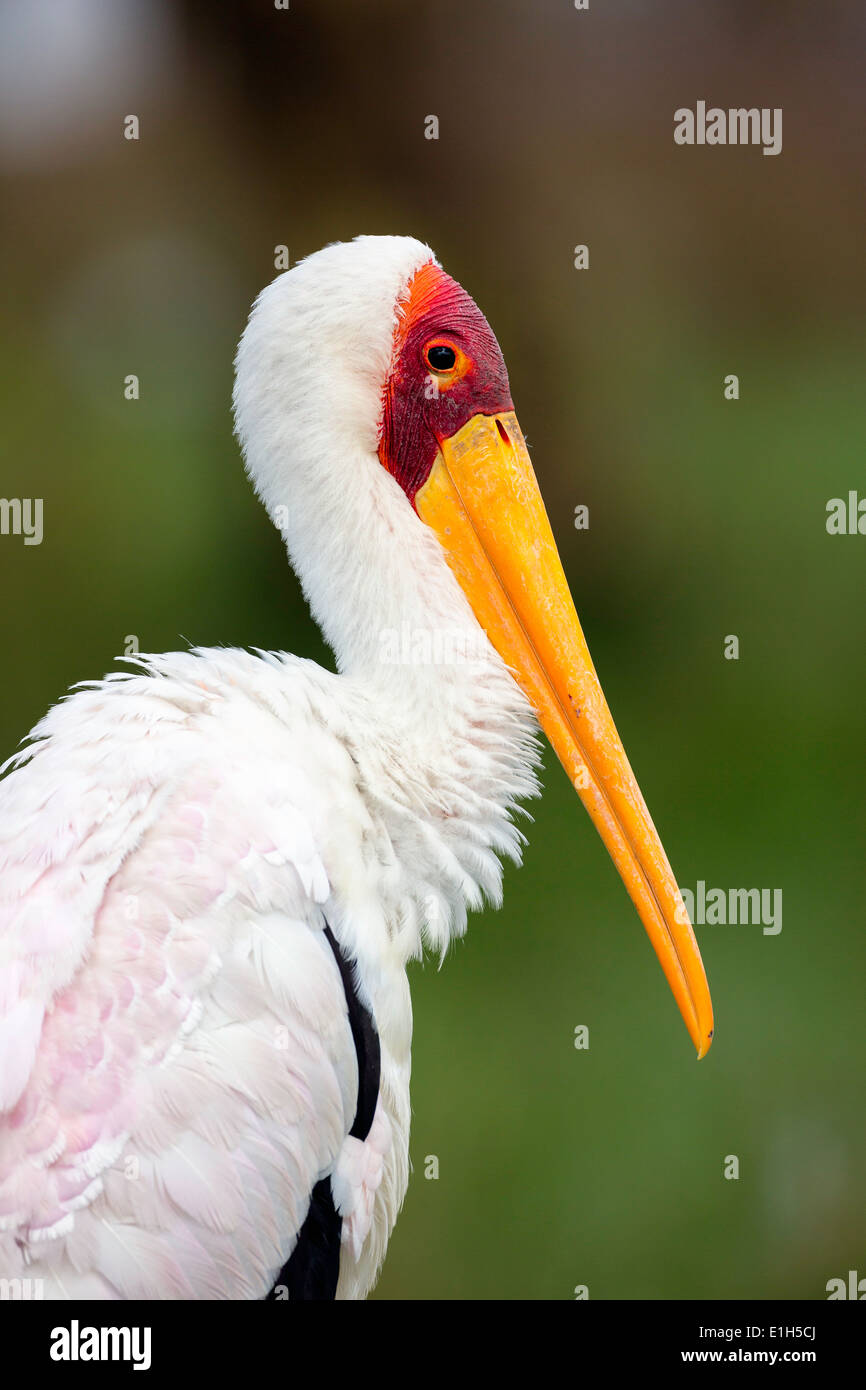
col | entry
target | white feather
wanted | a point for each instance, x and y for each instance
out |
(176, 1064)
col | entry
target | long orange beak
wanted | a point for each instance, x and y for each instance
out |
(484, 504)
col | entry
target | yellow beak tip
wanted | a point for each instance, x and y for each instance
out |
(705, 1046)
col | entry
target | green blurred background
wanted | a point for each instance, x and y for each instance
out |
(259, 127)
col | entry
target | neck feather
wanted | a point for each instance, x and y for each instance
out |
(448, 747)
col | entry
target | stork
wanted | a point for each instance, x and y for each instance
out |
(215, 867)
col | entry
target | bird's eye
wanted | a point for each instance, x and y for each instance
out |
(440, 357)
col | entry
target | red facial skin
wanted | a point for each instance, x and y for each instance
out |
(416, 416)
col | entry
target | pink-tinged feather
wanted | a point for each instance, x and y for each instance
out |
(20, 1031)
(176, 1065)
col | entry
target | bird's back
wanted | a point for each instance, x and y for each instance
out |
(177, 1069)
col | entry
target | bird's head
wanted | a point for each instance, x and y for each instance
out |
(370, 352)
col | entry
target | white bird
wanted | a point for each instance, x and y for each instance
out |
(214, 869)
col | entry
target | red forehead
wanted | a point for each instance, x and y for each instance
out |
(436, 301)
(415, 418)
(428, 287)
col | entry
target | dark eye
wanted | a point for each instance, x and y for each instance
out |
(440, 357)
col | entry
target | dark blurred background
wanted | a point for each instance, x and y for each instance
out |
(260, 127)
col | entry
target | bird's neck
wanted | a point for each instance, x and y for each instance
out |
(448, 746)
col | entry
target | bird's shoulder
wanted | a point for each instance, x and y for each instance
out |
(161, 942)
(215, 758)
